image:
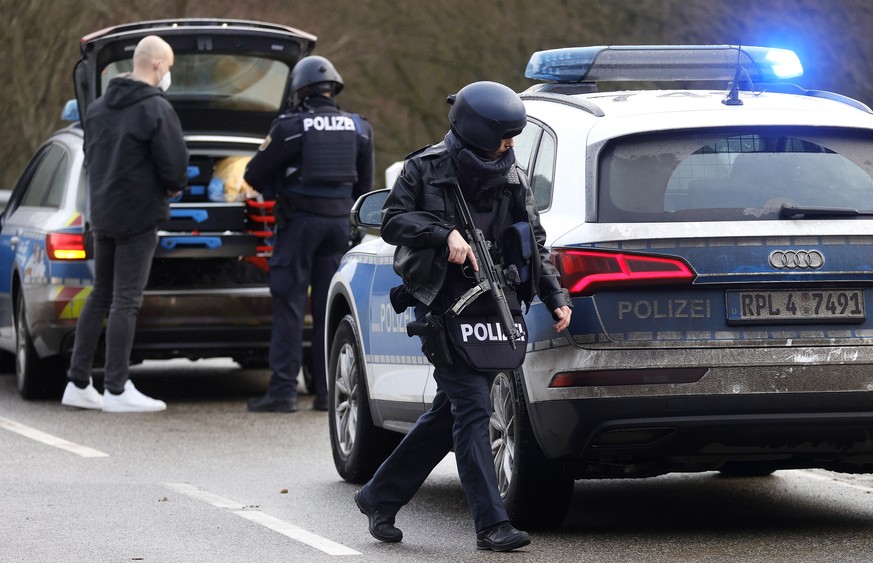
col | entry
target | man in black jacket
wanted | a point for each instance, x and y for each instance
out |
(435, 261)
(136, 159)
(316, 161)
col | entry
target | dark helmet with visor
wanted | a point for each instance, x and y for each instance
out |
(315, 74)
(485, 113)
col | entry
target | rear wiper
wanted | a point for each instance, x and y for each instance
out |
(788, 211)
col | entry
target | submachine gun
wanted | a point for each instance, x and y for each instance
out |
(491, 278)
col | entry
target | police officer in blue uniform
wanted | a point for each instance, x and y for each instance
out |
(316, 161)
(433, 259)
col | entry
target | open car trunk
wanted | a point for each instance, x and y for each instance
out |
(220, 231)
(230, 77)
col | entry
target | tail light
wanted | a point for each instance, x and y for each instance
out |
(585, 271)
(66, 246)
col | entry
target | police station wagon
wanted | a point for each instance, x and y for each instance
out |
(717, 242)
(208, 294)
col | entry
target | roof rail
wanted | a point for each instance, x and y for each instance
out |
(788, 88)
(839, 98)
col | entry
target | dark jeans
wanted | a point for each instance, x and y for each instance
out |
(306, 254)
(457, 418)
(121, 270)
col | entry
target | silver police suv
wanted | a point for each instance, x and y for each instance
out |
(208, 294)
(717, 241)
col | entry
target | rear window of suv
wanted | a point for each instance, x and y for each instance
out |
(733, 174)
(220, 81)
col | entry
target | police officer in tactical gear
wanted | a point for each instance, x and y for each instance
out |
(316, 161)
(434, 259)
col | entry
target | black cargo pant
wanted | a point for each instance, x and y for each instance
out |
(306, 253)
(458, 417)
(121, 271)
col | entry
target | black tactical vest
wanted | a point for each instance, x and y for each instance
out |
(329, 147)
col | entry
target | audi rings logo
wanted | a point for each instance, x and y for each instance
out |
(796, 259)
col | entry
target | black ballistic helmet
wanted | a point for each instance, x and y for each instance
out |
(484, 113)
(315, 74)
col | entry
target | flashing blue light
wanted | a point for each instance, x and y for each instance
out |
(663, 63)
(785, 63)
(70, 111)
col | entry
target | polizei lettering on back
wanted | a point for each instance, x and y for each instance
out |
(329, 123)
(666, 309)
(486, 332)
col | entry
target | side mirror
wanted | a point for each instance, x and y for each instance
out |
(367, 211)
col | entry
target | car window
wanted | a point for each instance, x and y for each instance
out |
(733, 174)
(24, 181)
(82, 192)
(46, 188)
(55, 194)
(233, 82)
(525, 143)
(544, 171)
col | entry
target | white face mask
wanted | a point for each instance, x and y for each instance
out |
(164, 84)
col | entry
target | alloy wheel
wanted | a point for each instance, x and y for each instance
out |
(501, 430)
(346, 398)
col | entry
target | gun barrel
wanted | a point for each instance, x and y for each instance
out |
(507, 323)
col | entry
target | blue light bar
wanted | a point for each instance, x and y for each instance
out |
(663, 63)
(70, 111)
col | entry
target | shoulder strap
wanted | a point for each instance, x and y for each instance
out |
(512, 177)
(504, 207)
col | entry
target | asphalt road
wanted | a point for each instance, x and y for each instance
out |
(208, 481)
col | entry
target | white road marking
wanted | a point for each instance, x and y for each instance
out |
(48, 439)
(271, 522)
(829, 479)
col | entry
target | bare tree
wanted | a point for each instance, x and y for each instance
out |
(400, 59)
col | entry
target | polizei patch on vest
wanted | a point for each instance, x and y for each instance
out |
(329, 123)
(486, 332)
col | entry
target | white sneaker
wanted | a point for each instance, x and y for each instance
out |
(87, 398)
(131, 400)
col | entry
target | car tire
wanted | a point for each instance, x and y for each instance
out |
(359, 446)
(535, 490)
(35, 377)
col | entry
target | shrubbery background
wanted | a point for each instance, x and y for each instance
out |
(399, 58)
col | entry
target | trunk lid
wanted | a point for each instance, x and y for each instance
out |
(230, 77)
(745, 290)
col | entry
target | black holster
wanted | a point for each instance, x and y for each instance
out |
(401, 299)
(434, 343)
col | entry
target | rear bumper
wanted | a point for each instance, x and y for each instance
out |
(198, 343)
(719, 371)
(201, 342)
(641, 436)
(636, 412)
(195, 324)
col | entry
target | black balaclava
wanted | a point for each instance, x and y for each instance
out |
(480, 179)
